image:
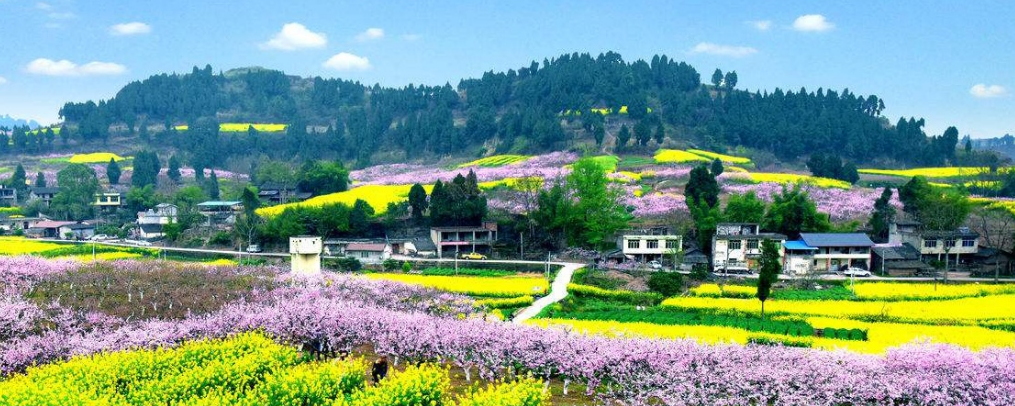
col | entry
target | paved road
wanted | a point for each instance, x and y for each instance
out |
(558, 291)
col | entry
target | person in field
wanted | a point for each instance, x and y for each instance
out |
(379, 369)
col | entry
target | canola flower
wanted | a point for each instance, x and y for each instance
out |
(377, 196)
(511, 183)
(885, 335)
(473, 285)
(714, 290)
(495, 161)
(786, 178)
(938, 172)
(242, 127)
(965, 311)
(927, 291)
(23, 246)
(94, 158)
(103, 256)
(730, 159)
(678, 156)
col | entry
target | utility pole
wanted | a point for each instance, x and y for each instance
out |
(522, 244)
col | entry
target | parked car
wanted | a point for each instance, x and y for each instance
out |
(253, 248)
(655, 265)
(139, 243)
(473, 256)
(100, 237)
(856, 272)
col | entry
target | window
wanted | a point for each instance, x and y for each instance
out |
(671, 244)
(633, 244)
(930, 243)
(735, 244)
(949, 243)
(653, 244)
(752, 244)
(968, 243)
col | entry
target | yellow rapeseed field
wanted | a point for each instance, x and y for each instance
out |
(714, 290)
(927, 291)
(702, 334)
(678, 156)
(473, 285)
(495, 161)
(942, 172)
(94, 158)
(103, 256)
(954, 311)
(242, 127)
(22, 246)
(378, 196)
(511, 183)
(794, 178)
(730, 159)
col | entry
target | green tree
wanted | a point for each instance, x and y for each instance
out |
(113, 172)
(717, 78)
(770, 264)
(211, 186)
(140, 199)
(359, 218)
(78, 186)
(883, 216)
(913, 193)
(188, 197)
(250, 202)
(597, 205)
(745, 208)
(174, 169)
(320, 178)
(19, 182)
(702, 187)
(599, 133)
(666, 283)
(623, 137)
(642, 132)
(793, 212)
(730, 81)
(849, 173)
(40, 180)
(969, 146)
(717, 167)
(146, 169)
(660, 134)
(417, 201)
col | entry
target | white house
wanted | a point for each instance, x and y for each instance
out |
(936, 244)
(828, 252)
(737, 246)
(464, 239)
(649, 244)
(368, 253)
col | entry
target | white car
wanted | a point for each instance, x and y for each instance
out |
(655, 265)
(100, 237)
(253, 248)
(856, 272)
(139, 243)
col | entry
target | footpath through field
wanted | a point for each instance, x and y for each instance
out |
(558, 291)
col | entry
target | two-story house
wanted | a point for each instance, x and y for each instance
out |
(8, 196)
(219, 213)
(109, 200)
(828, 252)
(737, 246)
(455, 240)
(948, 245)
(649, 244)
(45, 194)
(151, 221)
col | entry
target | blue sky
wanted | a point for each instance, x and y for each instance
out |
(950, 62)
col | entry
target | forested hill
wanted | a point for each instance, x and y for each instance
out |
(535, 108)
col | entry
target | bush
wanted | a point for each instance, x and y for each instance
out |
(777, 341)
(349, 264)
(626, 296)
(699, 272)
(666, 283)
(221, 238)
(390, 264)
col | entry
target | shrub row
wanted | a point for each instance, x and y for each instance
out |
(625, 296)
(506, 303)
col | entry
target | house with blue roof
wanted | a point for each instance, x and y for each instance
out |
(827, 252)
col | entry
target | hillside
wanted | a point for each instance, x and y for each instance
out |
(575, 101)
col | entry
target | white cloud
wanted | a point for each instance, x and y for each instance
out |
(812, 23)
(132, 28)
(985, 91)
(411, 37)
(3, 80)
(346, 61)
(63, 67)
(723, 50)
(370, 34)
(761, 25)
(295, 36)
(43, 6)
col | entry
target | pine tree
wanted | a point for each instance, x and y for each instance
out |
(771, 265)
(212, 186)
(622, 138)
(717, 168)
(40, 180)
(883, 216)
(113, 172)
(660, 134)
(174, 169)
(19, 182)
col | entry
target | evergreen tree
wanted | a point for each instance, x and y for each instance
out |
(642, 132)
(717, 167)
(883, 216)
(793, 212)
(702, 188)
(40, 180)
(599, 133)
(660, 134)
(19, 182)
(417, 201)
(745, 208)
(622, 138)
(849, 173)
(771, 265)
(174, 169)
(250, 202)
(78, 186)
(146, 169)
(597, 209)
(359, 217)
(211, 186)
(113, 172)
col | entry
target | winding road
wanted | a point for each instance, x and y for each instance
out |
(558, 291)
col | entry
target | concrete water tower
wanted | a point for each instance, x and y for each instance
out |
(305, 254)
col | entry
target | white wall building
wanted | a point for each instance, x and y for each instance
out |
(649, 244)
(737, 246)
(305, 254)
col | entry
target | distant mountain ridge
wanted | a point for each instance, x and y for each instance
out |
(7, 121)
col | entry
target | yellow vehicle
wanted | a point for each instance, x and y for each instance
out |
(473, 256)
